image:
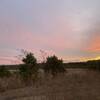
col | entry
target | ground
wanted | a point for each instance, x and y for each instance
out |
(77, 84)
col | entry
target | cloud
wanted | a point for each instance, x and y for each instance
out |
(95, 44)
(69, 29)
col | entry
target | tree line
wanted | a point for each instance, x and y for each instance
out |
(53, 66)
(29, 70)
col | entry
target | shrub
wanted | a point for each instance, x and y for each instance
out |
(54, 65)
(4, 72)
(29, 59)
(28, 71)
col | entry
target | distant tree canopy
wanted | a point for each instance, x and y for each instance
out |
(54, 65)
(94, 64)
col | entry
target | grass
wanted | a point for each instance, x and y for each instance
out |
(77, 84)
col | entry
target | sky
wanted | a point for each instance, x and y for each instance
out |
(67, 28)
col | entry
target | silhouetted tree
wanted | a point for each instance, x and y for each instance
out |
(54, 65)
(28, 70)
(29, 59)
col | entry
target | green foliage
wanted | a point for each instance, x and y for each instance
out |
(28, 71)
(24, 73)
(4, 72)
(54, 65)
(29, 59)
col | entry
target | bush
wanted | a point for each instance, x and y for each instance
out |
(28, 71)
(54, 65)
(4, 72)
(29, 59)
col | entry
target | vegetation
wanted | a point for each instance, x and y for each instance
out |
(54, 65)
(94, 64)
(4, 72)
(29, 59)
(28, 70)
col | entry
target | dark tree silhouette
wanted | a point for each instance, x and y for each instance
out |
(28, 70)
(54, 65)
(29, 59)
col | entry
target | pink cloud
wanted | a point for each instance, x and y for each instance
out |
(95, 44)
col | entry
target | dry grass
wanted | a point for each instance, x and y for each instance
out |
(77, 84)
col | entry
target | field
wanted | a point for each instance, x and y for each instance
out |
(77, 84)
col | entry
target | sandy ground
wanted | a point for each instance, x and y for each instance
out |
(77, 84)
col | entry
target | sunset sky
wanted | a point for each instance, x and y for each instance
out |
(69, 29)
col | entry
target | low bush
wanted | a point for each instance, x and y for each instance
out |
(4, 72)
(28, 73)
(54, 66)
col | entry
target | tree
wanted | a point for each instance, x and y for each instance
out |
(54, 65)
(28, 70)
(29, 59)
